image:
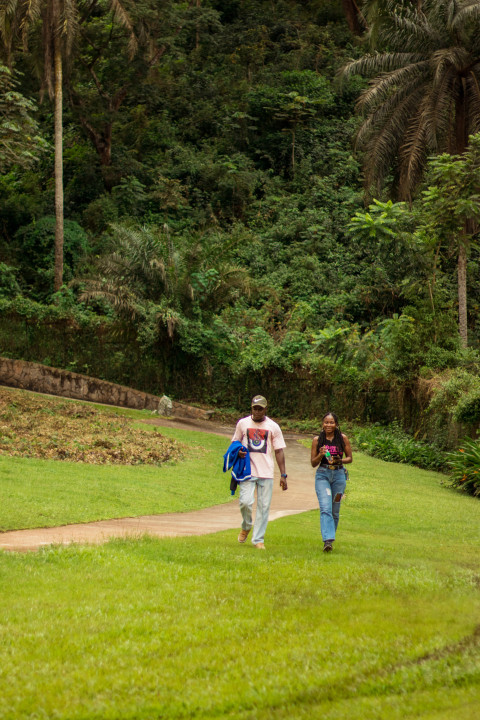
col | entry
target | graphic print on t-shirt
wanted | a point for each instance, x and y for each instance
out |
(257, 440)
(333, 449)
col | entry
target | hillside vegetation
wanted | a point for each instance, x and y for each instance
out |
(219, 239)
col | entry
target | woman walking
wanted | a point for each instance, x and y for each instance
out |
(331, 450)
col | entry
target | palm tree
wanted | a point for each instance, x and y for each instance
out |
(424, 95)
(145, 268)
(58, 21)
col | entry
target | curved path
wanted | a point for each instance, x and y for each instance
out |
(299, 498)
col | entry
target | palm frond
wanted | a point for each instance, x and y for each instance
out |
(119, 297)
(137, 260)
(123, 17)
(9, 6)
(382, 149)
(380, 89)
(235, 276)
(379, 63)
(233, 281)
(8, 28)
(31, 12)
(440, 12)
(8, 17)
(473, 89)
(116, 267)
(467, 14)
(69, 24)
(413, 154)
(456, 57)
(410, 31)
(474, 76)
(404, 100)
(438, 111)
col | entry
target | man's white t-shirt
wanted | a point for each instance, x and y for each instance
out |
(260, 439)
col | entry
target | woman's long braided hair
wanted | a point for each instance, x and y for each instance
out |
(337, 436)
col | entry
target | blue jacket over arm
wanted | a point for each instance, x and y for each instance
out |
(240, 467)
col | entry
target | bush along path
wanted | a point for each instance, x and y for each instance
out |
(300, 497)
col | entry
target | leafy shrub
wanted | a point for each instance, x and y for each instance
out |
(465, 467)
(468, 408)
(36, 253)
(455, 399)
(392, 444)
(259, 352)
(99, 213)
(9, 286)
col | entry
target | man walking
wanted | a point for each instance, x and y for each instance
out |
(262, 437)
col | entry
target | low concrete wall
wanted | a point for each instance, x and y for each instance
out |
(44, 379)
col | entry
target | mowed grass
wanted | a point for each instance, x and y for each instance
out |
(386, 627)
(46, 493)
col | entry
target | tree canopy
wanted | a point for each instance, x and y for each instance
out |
(216, 234)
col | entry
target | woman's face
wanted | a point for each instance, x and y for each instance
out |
(329, 424)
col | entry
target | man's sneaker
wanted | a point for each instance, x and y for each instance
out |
(260, 546)
(243, 536)
(328, 546)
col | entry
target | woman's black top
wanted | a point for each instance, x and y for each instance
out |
(335, 449)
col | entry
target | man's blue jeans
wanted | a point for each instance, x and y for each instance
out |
(329, 486)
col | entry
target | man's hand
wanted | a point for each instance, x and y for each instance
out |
(283, 483)
(242, 453)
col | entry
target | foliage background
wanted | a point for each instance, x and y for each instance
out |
(217, 242)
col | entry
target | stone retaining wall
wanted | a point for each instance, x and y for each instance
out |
(44, 379)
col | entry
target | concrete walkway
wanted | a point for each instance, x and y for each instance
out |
(299, 498)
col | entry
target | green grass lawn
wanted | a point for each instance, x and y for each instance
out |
(46, 493)
(386, 627)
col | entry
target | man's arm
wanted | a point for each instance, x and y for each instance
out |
(280, 458)
(238, 435)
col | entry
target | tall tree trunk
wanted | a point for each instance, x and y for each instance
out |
(352, 13)
(461, 140)
(462, 293)
(58, 122)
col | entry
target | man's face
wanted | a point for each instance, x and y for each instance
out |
(258, 413)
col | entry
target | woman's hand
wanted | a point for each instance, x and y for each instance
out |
(315, 457)
(323, 451)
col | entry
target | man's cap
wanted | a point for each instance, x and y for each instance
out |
(259, 400)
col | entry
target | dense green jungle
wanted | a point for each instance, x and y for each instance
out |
(224, 230)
